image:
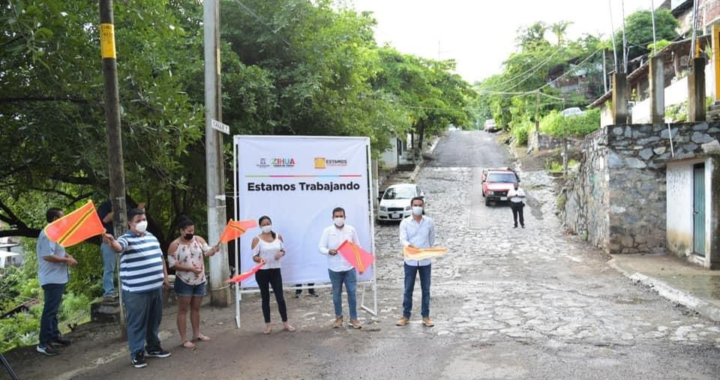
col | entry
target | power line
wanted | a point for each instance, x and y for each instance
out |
(266, 25)
(534, 68)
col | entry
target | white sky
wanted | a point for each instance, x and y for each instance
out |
(480, 34)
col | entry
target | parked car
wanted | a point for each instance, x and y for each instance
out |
(395, 202)
(496, 183)
(490, 125)
(573, 111)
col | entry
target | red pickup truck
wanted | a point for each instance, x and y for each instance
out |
(496, 183)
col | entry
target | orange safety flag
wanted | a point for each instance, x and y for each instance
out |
(234, 229)
(76, 226)
(356, 256)
(423, 253)
(245, 275)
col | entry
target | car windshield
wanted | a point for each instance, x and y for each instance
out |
(501, 177)
(399, 193)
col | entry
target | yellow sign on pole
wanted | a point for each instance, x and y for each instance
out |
(107, 40)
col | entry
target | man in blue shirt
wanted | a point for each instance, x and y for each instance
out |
(417, 231)
(53, 274)
(109, 256)
(143, 275)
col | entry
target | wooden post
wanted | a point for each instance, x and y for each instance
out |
(657, 90)
(116, 167)
(716, 58)
(696, 91)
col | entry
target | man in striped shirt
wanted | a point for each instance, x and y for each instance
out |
(143, 275)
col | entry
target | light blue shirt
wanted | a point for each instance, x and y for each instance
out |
(421, 235)
(50, 273)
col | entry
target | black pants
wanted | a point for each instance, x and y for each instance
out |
(517, 208)
(266, 278)
(299, 291)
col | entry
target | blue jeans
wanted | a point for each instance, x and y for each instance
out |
(349, 278)
(109, 263)
(410, 273)
(143, 315)
(48, 322)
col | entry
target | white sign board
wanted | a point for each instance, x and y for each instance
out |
(218, 126)
(297, 182)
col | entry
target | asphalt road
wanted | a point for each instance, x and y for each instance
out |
(508, 304)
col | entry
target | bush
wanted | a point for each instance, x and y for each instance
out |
(521, 132)
(556, 124)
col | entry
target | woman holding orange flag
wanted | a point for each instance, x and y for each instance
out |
(268, 249)
(187, 256)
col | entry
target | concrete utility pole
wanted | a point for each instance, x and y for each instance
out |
(116, 167)
(214, 159)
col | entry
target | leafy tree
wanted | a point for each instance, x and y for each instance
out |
(639, 31)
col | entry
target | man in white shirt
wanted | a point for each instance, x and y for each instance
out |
(516, 196)
(340, 270)
(417, 231)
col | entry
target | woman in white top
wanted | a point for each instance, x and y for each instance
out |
(268, 248)
(187, 256)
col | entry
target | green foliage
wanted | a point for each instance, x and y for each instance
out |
(639, 31)
(521, 132)
(677, 113)
(661, 44)
(556, 124)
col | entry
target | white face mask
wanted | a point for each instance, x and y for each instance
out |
(266, 229)
(417, 210)
(339, 222)
(141, 227)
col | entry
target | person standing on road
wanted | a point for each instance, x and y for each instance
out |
(143, 275)
(109, 257)
(268, 248)
(53, 274)
(516, 197)
(417, 231)
(340, 270)
(187, 256)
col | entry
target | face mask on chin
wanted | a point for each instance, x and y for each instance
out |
(141, 227)
(339, 222)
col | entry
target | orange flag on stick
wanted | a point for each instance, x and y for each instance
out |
(234, 229)
(423, 253)
(76, 226)
(356, 256)
(245, 275)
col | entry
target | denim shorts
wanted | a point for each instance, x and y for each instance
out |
(184, 290)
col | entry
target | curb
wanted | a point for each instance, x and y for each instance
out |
(670, 293)
(419, 167)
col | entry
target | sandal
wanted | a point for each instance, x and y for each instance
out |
(202, 338)
(188, 344)
(268, 330)
(289, 328)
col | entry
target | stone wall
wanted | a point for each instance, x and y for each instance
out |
(547, 142)
(618, 197)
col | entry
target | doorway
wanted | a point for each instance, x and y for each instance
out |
(699, 209)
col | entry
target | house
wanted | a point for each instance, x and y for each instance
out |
(693, 212)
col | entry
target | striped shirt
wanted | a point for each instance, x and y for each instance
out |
(141, 262)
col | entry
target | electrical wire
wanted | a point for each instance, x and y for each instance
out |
(266, 25)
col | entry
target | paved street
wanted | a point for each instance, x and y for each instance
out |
(508, 304)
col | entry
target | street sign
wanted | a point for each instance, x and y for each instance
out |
(224, 128)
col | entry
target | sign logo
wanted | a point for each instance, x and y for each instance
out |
(263, 163)
(322, 162)
(283, 162)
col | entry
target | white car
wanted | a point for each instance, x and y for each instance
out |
(574, 111)
(395, 202)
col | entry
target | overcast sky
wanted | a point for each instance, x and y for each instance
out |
(480, 34)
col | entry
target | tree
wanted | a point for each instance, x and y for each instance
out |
(639, 31)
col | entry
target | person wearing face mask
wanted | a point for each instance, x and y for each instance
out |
(142, 275)
(268, 248)
(417, 231)
(187, 256)
(340, 270)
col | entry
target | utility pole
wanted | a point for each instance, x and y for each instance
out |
(214, 155)
(612, 34)
(652, 9)
(625, 49)
(537, 114)
(116, 167)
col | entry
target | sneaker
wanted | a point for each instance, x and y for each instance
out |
(297, 295)
(338, 322)
(313, 294)
(138, 360)
(428, 322)
(62, 341)
(354, 323)
(160, 353)
(402, 321)
(47, 349)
